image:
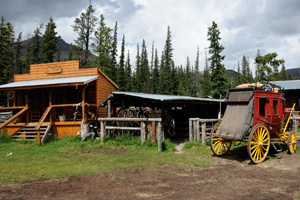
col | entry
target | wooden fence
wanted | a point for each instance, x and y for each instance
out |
(155, 130)
(194, 129)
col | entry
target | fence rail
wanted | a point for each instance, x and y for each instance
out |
(155, 132)
(194, 129)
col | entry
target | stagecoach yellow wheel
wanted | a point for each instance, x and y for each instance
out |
(259, 143)
(292, 141)
(219, 146)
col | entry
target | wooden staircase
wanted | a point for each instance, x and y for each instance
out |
(28, 132)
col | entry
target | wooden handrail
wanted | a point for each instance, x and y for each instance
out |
(43, 118)
(14, 117)
(10, 108)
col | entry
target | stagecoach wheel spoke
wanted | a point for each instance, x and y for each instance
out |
(292, 141)
(259, 143)
(219, 146)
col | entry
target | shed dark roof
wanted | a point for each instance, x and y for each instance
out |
(156, 98)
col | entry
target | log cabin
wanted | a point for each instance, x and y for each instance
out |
(51, 97)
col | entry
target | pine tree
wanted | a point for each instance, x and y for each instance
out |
(6, 55)
(103, 46)
(128, 76)
(155, 74)
(26, 58)
(84, 26)
(219, 79)
(49, 42)
(166, 64)
(114, 54)
(268, 67)
(206, 82)
(58, 55)
(121, 69)
(17, 55)
(283, 76)
(258, 74)
(144, 73)
(36, 45)
(238, 79)
(198, 91)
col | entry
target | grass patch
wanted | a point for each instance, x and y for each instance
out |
(62, 158)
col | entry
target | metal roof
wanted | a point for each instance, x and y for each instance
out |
(142, 98)
(161, 97)
(54, 81)
(288, 85)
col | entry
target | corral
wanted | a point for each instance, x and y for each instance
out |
(174, 111)
(52, 96)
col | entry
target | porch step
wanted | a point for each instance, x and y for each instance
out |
(28, 132)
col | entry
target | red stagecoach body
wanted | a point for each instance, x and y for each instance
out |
(248, 107)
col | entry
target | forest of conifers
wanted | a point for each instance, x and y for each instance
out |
(97, 46)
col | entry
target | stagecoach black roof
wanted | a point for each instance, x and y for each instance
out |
(144, 99)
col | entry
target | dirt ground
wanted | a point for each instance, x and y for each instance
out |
(231, 177)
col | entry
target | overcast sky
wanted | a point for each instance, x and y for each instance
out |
(245, 25)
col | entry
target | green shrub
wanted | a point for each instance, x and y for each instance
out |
(5, 137)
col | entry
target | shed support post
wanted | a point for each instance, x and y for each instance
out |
(50, 103)
(102, 132)
(109, 108)
(142, 132)
(82, 104)
(190, 131)
(159, 137)
(194, 131)
(26, 99)
(197, 130)
(203, 133)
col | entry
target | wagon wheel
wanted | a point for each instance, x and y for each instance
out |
(292, 141)
(219, 146)
(259, 143)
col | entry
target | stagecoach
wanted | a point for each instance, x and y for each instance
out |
(257, 117)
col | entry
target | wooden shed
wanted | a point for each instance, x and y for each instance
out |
(51, 97)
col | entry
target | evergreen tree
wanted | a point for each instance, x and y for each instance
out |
(26, 58)
(219, 79)
(198, 91)
(17, 55)
(258, 74)
(121, 69)
(49, 42)
(58, 55)
(268, 67)
(238, 79)
(103, 46)
(84, 26)
(36, 45)
(165, 81)
(137, 84)
(128, 77)
(283, 76)
(206, 82)
(114, 54)
(6, 55)
(155, 74)
(144, 73)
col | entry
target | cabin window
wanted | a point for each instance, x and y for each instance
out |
(275, 107)
(262, 105)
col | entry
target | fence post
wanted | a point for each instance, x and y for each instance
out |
(197, 130)
(159, 137)
(190, 130)
(142, 132)
(203, 133)
(194, 131)
(102, 131)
